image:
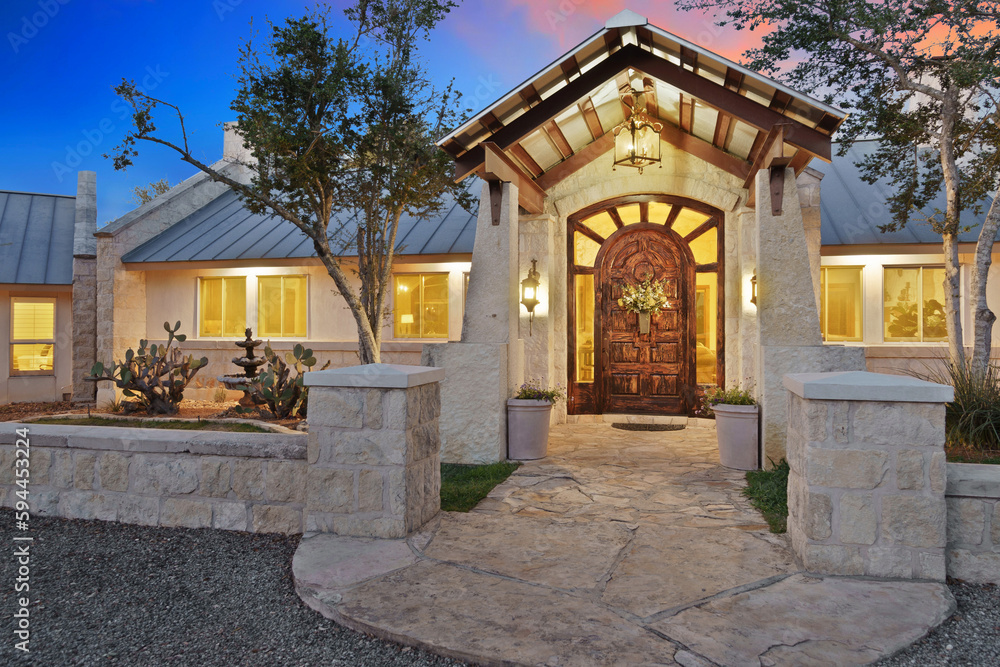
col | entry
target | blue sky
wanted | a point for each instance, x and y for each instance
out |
(60, 58)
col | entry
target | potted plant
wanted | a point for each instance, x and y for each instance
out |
(528, 421)
(736, 416)
(644, 299)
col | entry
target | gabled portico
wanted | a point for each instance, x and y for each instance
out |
(722, 206)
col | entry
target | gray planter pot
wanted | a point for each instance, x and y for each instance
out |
(736, 429)
(527, 428)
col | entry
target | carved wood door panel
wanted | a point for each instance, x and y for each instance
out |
(645, 372)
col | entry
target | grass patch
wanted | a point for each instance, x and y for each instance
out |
(199, 425)
(768, 492)
(463, 486)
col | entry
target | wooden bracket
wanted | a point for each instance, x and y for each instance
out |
(496, 199)
(777, 184)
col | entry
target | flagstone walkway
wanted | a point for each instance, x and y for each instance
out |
(620, 548)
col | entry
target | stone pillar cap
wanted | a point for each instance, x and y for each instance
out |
(865, 386)
(375, 376)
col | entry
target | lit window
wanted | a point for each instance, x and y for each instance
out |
(840, 303)
(913, 304)
(585, 346)
(281, 306)
(222, 307)
(32, 335)
(420, 307)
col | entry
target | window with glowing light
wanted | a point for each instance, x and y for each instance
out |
(282, 304)
(841, 303)
(32, 335)
(913, 304)
(222, 307)
(420, 305)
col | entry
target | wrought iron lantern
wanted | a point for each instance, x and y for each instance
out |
(753, 289)
(529, 292)
(637, 138)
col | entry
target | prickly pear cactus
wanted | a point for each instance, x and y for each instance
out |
(154, 375)
(284, 395)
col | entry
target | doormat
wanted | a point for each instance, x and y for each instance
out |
(648, 427)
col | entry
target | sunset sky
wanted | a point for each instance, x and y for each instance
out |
(60, 58)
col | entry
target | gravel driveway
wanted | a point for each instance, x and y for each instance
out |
(115, 594)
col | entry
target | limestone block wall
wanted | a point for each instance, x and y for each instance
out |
(374, 450)
(192, 479)
(973, 497)
(866, 491)
(84, 326)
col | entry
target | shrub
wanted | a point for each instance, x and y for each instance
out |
(156, 376)
(532, 391)
(973, 418)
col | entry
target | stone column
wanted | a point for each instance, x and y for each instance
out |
(866, 491)
(85, 286)
(788, 334)
(536, 242)
(488, 364)
(374, 450)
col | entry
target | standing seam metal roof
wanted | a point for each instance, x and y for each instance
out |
(224, 230)
(36, 238)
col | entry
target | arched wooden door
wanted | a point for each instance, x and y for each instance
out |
(652, 372)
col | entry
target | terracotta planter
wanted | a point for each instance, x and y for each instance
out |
(736, 429)
(527, 428)
(643, 322)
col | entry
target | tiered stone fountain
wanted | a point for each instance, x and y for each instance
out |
(249, 363)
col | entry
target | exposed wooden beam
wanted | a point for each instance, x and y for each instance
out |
(721, 133)
(734, 79)
(712, 94)
(453, 148)
(780, 101)
(689, 57)
(558, 139)
(770, 150)
(490, 122)
(570, 68)
(686, 112)
(498, 167)
(530, 95)
(613, 40)
(800, 161)
(615, 218)
(644, 211)
(704, 150)
(517, 150)
(652, 106)
(577, 161)
(591, 118)
(828, 124)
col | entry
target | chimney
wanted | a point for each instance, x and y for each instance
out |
(84, 243)
(233, 149)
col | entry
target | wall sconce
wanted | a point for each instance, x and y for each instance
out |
(753, 289)
(529, 292)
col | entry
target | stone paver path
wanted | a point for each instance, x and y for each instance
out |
(620, 548)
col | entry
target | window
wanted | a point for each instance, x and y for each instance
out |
(841, 303)
(913, 304)
(32, 335)
(222, 307)
(281, 306)
(420, 306)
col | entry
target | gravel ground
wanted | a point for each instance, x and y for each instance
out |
(107, 593)
(114, 594)
(970, 637)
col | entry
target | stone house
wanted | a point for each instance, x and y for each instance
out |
(764, 276)
(47, 283)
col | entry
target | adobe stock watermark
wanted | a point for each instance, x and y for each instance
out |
(93, 137)
(22, 541)
(223, 7)
(487, 90)
(32, 23)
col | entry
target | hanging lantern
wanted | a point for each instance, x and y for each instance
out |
(529, 292)
(637, 138)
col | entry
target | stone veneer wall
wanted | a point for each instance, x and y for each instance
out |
(866, 490)
(973, 497)
(192, 479)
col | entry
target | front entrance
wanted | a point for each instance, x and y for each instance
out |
(613, 367)
(645, 372)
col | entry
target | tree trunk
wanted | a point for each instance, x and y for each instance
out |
(949, 169)
(984, 317)
(952, 301)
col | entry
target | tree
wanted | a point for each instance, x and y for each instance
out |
(143, 194)
(921, 76)
(337, 129)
